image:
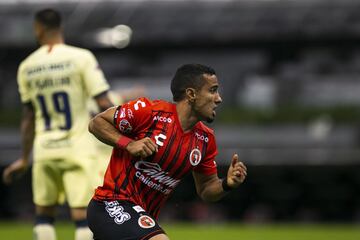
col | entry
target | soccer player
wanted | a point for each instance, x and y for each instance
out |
(55, 83)
(156, 143)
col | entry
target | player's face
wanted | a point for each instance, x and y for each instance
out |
(207, 99)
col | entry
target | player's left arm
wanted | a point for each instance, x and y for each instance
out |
(212, 188)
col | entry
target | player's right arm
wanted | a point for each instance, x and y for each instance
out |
(102, 127)
(27, 139)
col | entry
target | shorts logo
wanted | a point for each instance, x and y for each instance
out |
(125, 126)
(117, 212)
(146, 222)
(195, 157)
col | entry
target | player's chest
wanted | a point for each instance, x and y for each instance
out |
(176, 149)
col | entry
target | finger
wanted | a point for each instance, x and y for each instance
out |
(238, 180)
(143, 154)
(239, 173)
(242, 165)
(147, 150)
(151, 146)
(239, 166)
(151, 142)
(240, 177)
(148, 142)
(234, 160)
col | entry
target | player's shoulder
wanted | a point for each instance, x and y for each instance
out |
(202, 127)
(141, 104)
(68, 50)
(162, 105)
(143, 101)
(78, 51)
(148, 103)
(31, 57)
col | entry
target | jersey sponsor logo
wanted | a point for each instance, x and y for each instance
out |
(125, 126)
(138, 104)
(51, 67)
(138, 209)
(117, 212)
(195, 157)
(146, 222)
(201, 137)
(159, 139)
(162, 119)
(154, 177)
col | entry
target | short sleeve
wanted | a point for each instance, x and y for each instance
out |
(94, 78)
(207, 165)
(132, 117)
(23, 85)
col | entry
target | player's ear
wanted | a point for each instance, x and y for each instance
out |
(190, 94)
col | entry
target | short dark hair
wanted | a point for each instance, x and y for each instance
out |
(188, 76)
(49, 18)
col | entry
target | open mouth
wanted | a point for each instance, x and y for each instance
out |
(214, 111)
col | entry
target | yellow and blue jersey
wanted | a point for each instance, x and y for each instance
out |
(59, 80)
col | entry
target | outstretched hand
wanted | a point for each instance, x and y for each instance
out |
(237, 172)
(15, 170)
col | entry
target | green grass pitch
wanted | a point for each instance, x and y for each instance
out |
(232, 231)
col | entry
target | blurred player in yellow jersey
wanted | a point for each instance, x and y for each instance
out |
(55, 84)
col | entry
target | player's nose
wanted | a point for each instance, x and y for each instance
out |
(218, 99)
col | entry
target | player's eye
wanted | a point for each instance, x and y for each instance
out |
(213, 89)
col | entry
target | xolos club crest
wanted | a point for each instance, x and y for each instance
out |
(195, 157)
(125, 126)
(146, 222)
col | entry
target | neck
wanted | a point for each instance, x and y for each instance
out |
(52, 39)
(186, 116)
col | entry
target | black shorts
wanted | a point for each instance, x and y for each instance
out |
(116, 220)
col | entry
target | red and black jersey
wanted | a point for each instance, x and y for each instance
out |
(149, 182)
